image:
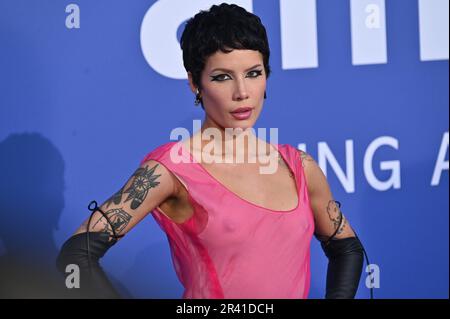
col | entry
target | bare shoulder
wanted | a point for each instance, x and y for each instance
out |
(313, 173)
(153, 170)
(174, 201)
(307, 160)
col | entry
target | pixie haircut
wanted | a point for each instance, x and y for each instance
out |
(223, 27)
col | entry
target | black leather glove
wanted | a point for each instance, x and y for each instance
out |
(345, 262)
(93, 281)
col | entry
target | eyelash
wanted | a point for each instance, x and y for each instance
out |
(216, 77)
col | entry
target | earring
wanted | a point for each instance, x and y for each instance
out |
(197, 98)
(265, 95)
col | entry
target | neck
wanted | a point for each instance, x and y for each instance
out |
(213, 139)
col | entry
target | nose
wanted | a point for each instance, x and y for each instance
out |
(240, 92)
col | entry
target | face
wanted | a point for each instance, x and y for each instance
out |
(231, 81)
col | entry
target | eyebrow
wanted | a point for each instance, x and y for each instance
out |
(226, 70)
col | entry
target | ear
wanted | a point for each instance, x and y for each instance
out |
(191, 83)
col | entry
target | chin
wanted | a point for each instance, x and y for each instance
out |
(242, 125)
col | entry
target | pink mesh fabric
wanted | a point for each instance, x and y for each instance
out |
(230, 247)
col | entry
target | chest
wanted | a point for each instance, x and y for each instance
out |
(276, 190)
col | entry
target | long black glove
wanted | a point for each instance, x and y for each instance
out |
(345, 262)
(93, 281)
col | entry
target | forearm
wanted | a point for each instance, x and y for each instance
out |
(345, 262)
(93, 281)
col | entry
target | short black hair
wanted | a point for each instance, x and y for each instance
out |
(223, 27)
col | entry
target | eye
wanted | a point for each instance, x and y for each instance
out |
(223, 77)
(219, 77)
(255, 73)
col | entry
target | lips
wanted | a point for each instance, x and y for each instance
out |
(242, 113)
(242, 110)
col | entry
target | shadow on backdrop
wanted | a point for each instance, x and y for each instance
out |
(31, 201)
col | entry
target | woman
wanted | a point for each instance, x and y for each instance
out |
(234, 232)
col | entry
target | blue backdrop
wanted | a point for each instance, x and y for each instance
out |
(89, 87)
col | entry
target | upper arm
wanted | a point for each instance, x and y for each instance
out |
(149, 186)
(325, 209)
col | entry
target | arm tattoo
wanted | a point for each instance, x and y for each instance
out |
(334, 214)
(119, 220)
(304, 157)
(116, 198)
(282, 163)
(144, 179)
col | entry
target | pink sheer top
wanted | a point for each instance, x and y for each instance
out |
(230, 247)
